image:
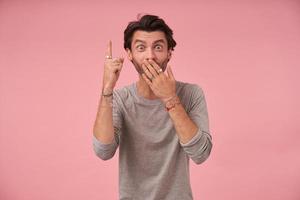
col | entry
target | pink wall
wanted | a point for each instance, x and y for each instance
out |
(245, 55)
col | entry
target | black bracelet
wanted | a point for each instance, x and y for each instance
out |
(107, 95)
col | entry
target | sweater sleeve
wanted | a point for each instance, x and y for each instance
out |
(199, 147)
(107, 151)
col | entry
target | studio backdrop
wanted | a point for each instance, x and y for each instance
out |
(243, 54)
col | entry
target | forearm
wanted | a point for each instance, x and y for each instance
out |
(103, 127)
(185, 127)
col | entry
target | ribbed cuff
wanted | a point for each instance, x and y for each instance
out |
(192, 141)
(103, 146)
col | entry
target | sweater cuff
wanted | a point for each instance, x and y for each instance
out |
(99, 145)
(192, 141)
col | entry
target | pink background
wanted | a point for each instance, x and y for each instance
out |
(244, 54)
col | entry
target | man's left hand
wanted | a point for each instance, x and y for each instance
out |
(163, 85)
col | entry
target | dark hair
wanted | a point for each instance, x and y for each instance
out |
(148, 23)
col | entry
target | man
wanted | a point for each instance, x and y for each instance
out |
(158, 123)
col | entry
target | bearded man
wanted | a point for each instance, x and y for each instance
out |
(157, 122)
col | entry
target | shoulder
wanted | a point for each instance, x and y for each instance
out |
(124, 92)
(188, 89)
(191, 95)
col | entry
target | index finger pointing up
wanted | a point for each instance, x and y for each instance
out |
(108, 53)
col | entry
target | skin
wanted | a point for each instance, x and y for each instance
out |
(149, 53)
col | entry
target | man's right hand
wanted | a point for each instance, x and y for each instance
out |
(112, 69)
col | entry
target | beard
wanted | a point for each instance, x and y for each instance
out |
(140, 70)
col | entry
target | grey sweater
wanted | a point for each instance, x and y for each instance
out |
(153, 163)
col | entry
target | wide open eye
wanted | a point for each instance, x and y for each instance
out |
(140, 47)
(158, 47)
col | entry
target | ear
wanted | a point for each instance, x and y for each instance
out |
(169, 54)
(129, 54)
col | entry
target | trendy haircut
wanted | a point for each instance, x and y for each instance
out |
(148, 23)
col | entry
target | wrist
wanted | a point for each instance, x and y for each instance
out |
(172, 102)
(107, 90)
(165, 100)
(106, 100)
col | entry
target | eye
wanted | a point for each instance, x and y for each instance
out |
(158, 47)
(140, 47)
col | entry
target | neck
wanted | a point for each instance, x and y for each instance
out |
(144, 90)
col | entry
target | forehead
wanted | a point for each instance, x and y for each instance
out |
(148, 37)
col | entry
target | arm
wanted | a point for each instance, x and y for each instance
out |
(192, 127)
(105, 138)
(185, 127)
(104, 141)
(103, 126)
(198, 144)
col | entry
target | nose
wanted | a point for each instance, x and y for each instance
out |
(150, 54)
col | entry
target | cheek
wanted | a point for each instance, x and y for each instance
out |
(163, 58)
(139, 58)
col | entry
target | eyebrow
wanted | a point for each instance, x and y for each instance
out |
(156, 41)
(161, 40)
